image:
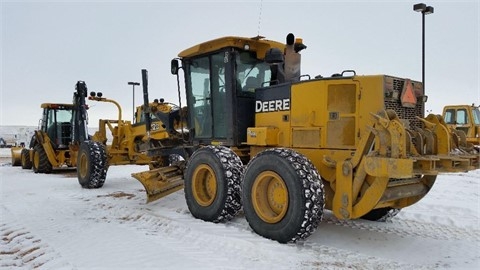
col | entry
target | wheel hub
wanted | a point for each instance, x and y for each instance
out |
(204, 185)
(270, 197)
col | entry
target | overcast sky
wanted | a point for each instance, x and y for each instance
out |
(47, 46)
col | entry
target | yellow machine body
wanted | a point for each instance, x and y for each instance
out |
(284, 146)
(50, 146)
(129, 141)
(368, 156)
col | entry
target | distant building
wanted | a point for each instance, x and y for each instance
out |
(16, 135)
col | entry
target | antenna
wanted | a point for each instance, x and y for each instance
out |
(259, 18)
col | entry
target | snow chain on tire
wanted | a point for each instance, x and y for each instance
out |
(92, 164)
(381, 214)
(304, 188)
(228, 170)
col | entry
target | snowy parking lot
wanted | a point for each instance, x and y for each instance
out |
(48, 222)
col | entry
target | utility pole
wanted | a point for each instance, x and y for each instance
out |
(425, 10)
(133, 84)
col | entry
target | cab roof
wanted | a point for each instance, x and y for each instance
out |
(257, 44)
(56, 106)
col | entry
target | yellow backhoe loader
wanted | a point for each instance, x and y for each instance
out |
(62, 139)
(285, 146)
(50, 146)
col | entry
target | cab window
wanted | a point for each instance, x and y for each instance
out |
(250, 73)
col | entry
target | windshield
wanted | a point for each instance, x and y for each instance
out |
(60, 115)
(476, 115)
(251, 73)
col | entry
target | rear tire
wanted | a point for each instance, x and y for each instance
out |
(92, 164)
(381, 214)
(25, 159)
(213, 184)
(283, 197)
(40, 164)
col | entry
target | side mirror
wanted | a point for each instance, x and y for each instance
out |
(174, 67)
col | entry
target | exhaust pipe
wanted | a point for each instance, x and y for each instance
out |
(146, 106)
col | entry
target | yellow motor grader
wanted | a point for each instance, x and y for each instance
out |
(130, 141)
(285, 146)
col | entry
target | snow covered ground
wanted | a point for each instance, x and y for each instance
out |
(50, 222)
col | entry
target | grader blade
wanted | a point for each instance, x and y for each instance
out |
(160, 182)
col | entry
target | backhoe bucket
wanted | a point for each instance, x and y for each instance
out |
(160, 182)
(16, 155)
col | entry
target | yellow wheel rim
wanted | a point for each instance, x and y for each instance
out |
(204, 185)
(82, 166)
(270, 197)
(36, 159)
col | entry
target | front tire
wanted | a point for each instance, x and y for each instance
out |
(213, 184)
(283, 197)
(92, 164)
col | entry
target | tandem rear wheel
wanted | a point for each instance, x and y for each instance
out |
(283, 196)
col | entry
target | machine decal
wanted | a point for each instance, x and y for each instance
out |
(273, 101)
(272, 105)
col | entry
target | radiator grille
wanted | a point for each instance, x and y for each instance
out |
(407, 115)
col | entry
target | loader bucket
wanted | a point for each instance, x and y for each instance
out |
(160, 182)
(16, 155)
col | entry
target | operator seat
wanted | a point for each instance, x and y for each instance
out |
(251, 84)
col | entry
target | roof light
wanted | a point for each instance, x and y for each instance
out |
(419, 7)
(428, 10)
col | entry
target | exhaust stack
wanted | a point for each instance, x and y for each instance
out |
(293, 58)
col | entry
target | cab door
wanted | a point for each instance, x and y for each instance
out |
(206, 95)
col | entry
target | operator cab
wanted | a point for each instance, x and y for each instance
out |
(57, 123)
(220, 91)
(221, 77)
(463, 117)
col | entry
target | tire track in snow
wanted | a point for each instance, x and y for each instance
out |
(409, 228)
(173, 224)
(21, 248)
(328, 257)
(178, 228)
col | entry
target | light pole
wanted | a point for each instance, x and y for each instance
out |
(425, 10)
(133, 100)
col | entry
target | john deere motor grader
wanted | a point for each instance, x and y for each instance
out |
(359, 146)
